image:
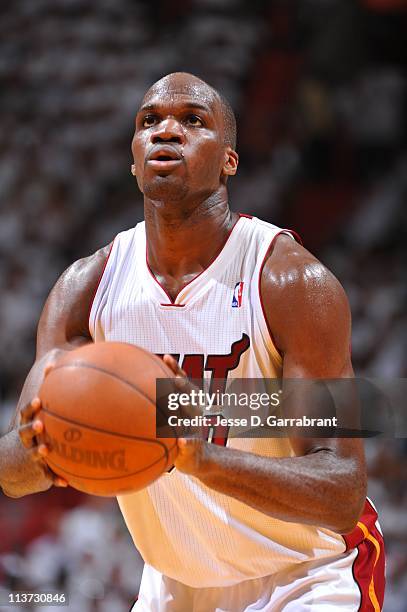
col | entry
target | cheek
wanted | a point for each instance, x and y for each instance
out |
(207, 155)
(137, 149)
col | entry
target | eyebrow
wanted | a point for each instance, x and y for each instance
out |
(188, 105)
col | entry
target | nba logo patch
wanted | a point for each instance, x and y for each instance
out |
(237, 295)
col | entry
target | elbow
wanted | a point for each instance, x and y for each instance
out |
(344, 527)
(348, 496)
(348, 513)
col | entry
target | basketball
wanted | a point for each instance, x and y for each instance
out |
(99, 412)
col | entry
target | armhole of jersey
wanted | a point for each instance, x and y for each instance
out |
(275, 351)
(92, 314)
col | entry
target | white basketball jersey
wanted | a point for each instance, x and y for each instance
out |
(182, 528)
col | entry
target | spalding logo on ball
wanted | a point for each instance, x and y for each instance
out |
(99, 412)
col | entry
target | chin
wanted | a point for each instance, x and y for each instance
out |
(164, 188)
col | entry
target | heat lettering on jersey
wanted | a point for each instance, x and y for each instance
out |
(220, 365)
(194, 366)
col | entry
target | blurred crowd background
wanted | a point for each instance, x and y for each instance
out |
(320, 95)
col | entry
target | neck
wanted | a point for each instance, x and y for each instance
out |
(183, 238)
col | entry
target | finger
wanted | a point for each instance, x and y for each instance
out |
(181, 380)
(48, 368)
(39, 452)
(29, 410)
(57, 481)
(42, 436)
(36, 404)
(174, 366)
(28, 432)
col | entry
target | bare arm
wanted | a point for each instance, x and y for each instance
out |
(63, 326)
(325, 483)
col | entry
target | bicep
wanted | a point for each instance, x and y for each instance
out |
(309, 316)
(64, 322)
(317, 364)
(315, 331)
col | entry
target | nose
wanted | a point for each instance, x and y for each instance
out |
(168, 130)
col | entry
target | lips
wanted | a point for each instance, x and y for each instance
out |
(164, 158)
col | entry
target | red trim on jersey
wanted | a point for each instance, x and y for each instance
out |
(98, 283)
(158, 282)
(245, 215)
(368, 518)
(172, 302)
(176, 305)
(369, 565)
(294, 233)
(368, 572)
(298, 239)
(221, 440)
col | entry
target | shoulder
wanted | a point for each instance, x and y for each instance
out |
(66, 311)
(300, 294)
(291, 270)
(86, 271)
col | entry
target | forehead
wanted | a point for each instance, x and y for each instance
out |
(179, 91)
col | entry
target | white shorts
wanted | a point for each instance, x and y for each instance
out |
(305, 587)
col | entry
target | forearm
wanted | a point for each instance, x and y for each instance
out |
(13, 460)
(19, 474)
(317, 489)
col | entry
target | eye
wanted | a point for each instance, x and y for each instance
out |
(193, 120)
(149, 121)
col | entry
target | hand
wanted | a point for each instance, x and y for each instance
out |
(184, 385)
(194, 453)
(193, 456)
(31, 431)
(181, 380)
(32, 437)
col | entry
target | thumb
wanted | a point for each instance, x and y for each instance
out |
(188, 444)
(173, 365)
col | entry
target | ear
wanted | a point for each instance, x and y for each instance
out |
(231, 161)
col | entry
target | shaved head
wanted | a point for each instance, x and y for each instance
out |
(184, 140)
(185, 83)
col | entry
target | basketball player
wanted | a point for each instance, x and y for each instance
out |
(258, 524)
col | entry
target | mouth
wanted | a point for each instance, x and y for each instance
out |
(164, 159)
